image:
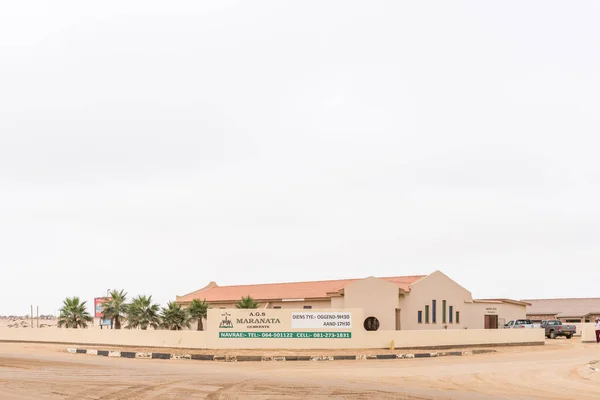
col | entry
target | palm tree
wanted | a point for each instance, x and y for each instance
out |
(73, 314)
(175, 317)
(115, 307)
(141, 313)
(198, 310)
(246, 302)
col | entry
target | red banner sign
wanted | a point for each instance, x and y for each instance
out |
(98, 301)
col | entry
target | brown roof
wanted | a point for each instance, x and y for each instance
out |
(572, 307)
(278, 291)
(509, 301)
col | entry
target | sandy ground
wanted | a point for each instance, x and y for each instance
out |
(20, 322)
(556, 371)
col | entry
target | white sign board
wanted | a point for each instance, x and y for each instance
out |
(321, 320)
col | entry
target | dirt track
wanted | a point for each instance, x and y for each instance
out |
(558, 371)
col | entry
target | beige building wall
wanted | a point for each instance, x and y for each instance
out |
(439, 287)
(377, 298)
(337, 302)
(475, 317)
(313, 304)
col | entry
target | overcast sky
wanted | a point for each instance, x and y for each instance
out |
(156, 146)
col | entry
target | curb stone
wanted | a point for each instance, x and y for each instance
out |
(229, 358)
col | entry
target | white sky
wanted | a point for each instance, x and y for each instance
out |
(155, 146)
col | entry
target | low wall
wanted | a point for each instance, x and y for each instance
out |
(588, 333)
(455, 337)
(204, 340)
(123, 337)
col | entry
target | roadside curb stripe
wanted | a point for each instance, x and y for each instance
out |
(230, 358)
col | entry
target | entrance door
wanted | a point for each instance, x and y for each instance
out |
(490, 321)
(398, 326)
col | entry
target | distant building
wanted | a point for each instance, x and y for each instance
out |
(431, 301)
(572, 310)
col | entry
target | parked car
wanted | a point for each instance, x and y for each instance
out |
(520, 323)
(556, 328)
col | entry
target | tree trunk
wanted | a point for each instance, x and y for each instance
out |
(117, 322)
(200, 327)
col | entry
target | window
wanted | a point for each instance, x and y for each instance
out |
(420, 317)
(444, 312)
(458, 317)
(371, 324)
(573, 321)
(426, 314)
(307, 307)
(276, 307)
(434, 311)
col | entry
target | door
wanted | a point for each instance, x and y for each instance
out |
(398, 326)
(490, 322)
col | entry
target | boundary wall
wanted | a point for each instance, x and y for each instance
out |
(281, 329)
(203, 340)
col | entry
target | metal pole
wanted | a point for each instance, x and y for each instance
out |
(31, 316)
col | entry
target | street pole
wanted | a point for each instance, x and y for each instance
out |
(38, 316)
(31, 316)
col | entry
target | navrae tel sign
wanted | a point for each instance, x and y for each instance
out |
(281, 324)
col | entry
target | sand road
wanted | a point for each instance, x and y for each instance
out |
(556, 371)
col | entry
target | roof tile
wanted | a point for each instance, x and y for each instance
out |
(570, 307)
(290, 290)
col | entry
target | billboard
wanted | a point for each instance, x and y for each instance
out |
(282, 324)
(98, 301)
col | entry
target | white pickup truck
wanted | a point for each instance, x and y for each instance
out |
(520, 323)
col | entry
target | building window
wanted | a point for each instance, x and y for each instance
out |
(443, 311)
(458, 317)
(434, 311)
(426, 314)
(371, 324)
(573, 321)
(450, 313)
(276, 307)
(307, 307)
(420, 317)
